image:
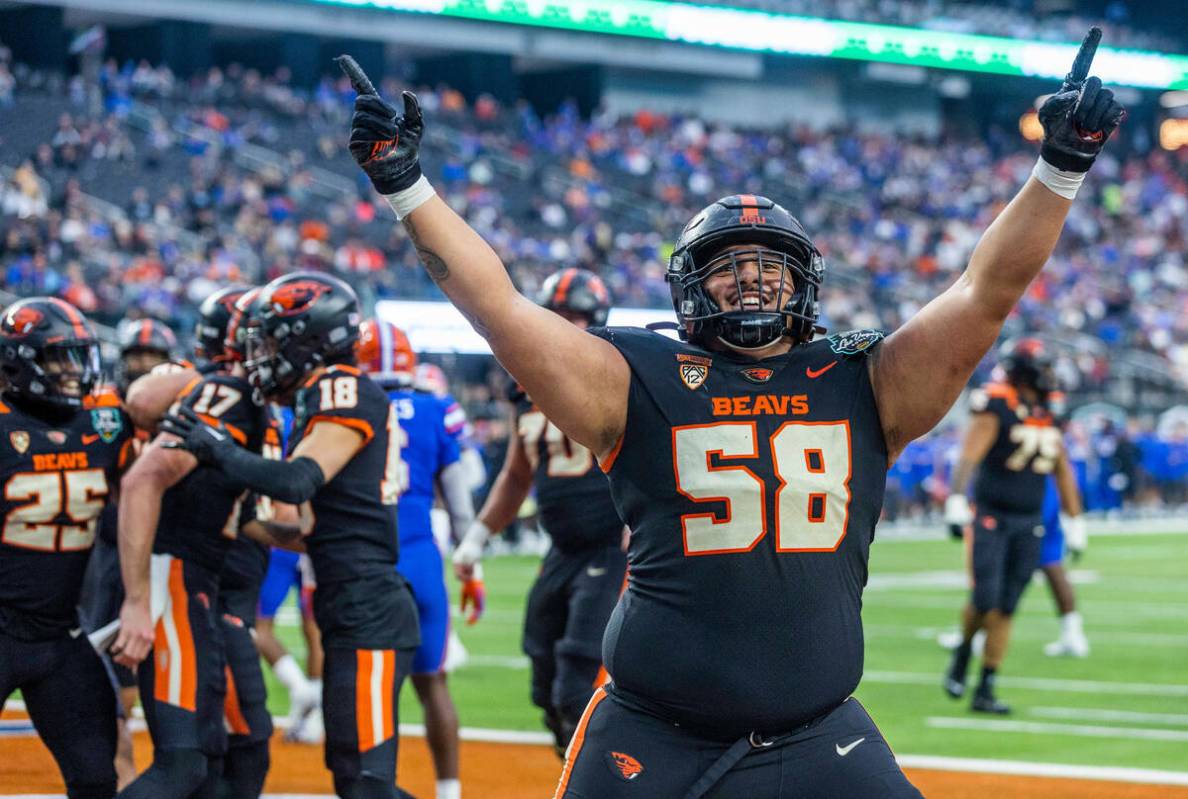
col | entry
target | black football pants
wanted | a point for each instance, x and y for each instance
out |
(622, 753)
(71, 702)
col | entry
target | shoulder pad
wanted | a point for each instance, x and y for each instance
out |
(854, 342)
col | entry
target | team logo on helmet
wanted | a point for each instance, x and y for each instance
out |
(19, 440)
(293, 298)
(22, 321)
(758, 374)
(623, 765)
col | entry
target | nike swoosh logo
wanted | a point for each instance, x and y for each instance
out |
(91, 439)
(595, 571)
(815, 373)
(842, 751)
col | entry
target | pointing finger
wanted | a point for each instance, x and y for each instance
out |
(359, 80)
(1084, 59)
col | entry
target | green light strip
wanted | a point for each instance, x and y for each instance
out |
(809, 36)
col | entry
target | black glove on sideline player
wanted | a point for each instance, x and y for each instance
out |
(1079, 118)
(383, 143)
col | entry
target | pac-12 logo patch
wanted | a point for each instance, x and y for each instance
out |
(107, 423)
(758, 374)
(625, 766)
(19, 440)
(693, 369)
(854, 341)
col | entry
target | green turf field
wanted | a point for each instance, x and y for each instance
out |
(1126, 705)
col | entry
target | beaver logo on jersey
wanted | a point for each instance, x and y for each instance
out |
(19, 440)
(22, 321)
(107, 423)
(293, 298)
(758, 374)
(625, 766)
(855, 341)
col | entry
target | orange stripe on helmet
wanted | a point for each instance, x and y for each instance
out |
(146, 333)
(76, 319)
(562, 290)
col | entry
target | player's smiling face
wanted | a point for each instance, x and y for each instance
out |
(749, 277)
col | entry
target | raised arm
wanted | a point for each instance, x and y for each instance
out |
(920, 369)
(556, 362)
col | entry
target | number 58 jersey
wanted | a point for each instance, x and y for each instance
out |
(752, 489)
(57, 479)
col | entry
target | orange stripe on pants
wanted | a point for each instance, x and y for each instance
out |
(176, 668)
(579, 738)
(231, 710)
(375, 676)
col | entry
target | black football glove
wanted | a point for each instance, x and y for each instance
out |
(1080, 117)
(205, 442)
(383, 143)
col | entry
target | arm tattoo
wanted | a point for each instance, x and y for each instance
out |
(434, 265)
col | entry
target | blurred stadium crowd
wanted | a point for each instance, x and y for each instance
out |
(132, 192)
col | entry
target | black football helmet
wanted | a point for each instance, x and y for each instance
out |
(773, 237)
(138, 338)
(305, 320)
(49, 353)
(243, 322)
(214, 316)
(1027, 364)
(578, 291)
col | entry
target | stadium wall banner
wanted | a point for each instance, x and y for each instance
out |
(440, 327)
(759, 31)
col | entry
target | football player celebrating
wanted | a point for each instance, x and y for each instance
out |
(344, 458)
(178, 519)
(748, 459)
(432, 467)
(582, 575)
(1013, 443)
(59, 465)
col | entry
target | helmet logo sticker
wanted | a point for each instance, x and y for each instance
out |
(23, 320)
(19, 440)
(293, 298)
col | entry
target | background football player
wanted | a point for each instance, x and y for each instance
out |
(746, 430)
(59, 464)
(1012, 445)
(432, 468)
(582, 574)
(344, 459)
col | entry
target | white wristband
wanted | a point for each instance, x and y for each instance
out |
(405, 202)
(1063, 183)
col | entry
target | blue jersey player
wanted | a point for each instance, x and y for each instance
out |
(430, 455)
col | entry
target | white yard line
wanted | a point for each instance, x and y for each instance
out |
(1101, 714)
(1020, 768)
(1048, 728)
(1040, 684)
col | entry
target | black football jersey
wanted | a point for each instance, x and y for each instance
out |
(355, 529)
(752, 489)
(200, 514)
(1012, 478)
(572, 493)
(246, 561)
(57, 481)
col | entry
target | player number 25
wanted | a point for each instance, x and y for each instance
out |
(79, 494)
(811, 460)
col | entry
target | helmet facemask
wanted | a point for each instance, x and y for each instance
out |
(64, 373)
(755, 322)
